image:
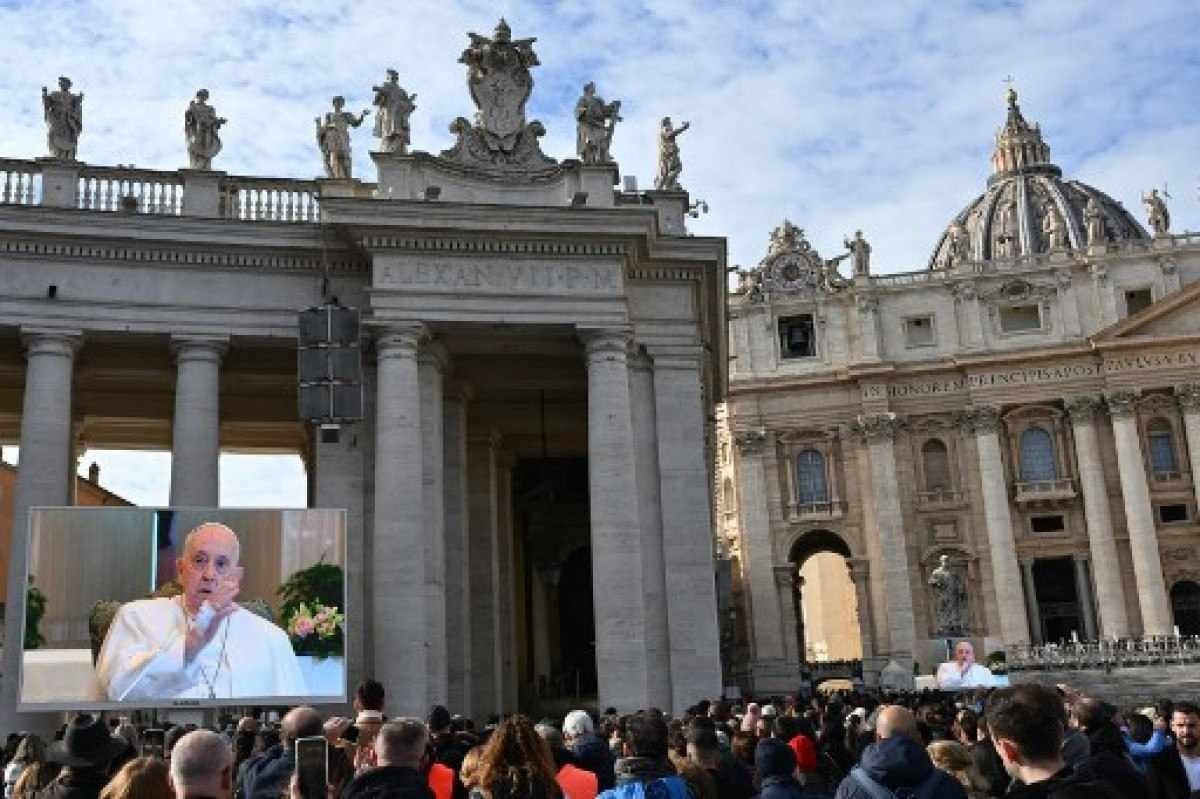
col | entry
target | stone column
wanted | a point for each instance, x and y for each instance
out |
(430, 370)
(506, 587)
(1139, 516)
(767, 633)
(615, 527)
(196, 429)
(1031, 603)
(1189, 404)
(42, 475)
(650, 514)
(458, 548)
(399, 621)
(687, 528)
(483, 511)
(785, 588)
(860, 575)
(879, 432)
(1014, 624)
(1083, 590)
(1106, 568)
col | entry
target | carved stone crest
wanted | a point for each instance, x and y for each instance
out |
(793, 266)
(500, 82)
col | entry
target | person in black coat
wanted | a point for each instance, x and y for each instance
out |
(1166, 773)
(399, 749)
(85, 752)
(775, 763)
(898, 760)
(1108, 759)
(267, 775)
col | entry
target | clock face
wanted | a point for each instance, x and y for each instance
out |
(797, 272)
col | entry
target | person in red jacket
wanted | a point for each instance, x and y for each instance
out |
(576, 783)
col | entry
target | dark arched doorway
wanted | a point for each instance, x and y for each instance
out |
(824, 598)
(577, 624)
(1185, 605)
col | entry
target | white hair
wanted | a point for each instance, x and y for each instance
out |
(198, 759)
(577, 723)
(237, 544)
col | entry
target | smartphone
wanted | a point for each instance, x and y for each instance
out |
(153, 741)
(312, 767)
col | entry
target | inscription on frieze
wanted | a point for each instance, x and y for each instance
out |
(473, 276)
(1031, 375)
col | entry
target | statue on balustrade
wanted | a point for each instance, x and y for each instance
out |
(200, 127)
(595, 120)
(860, 253)
(1097, 233)
(64, 119)
(959, 249)
(1156, 210)
(670, 165)
(949, 599)
(391, 120)
(333, 136)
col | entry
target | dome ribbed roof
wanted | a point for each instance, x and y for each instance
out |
(1028, 208)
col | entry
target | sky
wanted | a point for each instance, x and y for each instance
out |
(838, 115)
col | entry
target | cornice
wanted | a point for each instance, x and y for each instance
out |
(462, 245)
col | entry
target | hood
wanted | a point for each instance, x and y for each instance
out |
(897, 762)
(774, 758)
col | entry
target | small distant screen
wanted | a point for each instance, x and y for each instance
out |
(184, 607)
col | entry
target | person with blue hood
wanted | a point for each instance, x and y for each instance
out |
(775, 763)
(897, 764)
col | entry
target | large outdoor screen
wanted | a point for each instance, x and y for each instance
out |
(168, 607)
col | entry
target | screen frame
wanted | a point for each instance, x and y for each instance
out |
(168, 704)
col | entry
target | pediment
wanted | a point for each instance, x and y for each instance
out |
(1176, 315)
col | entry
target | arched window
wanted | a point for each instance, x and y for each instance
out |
(936, 461)
(1162, 446)
(1037, 456)
(810, 477)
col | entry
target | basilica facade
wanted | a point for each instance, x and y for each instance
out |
(1027, 407)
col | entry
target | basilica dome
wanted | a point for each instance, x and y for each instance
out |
(1028, 208)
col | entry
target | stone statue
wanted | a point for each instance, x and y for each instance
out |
(860, 253)
(391, 120)
(669, 163)
(64, 119)
(200, 128)
(333, 137)
(1156, 210)
(595, 121)
(959, 249)
(1094, 219)
(949, 599)
(1054, 228)
(500, 82)
(1008, 233)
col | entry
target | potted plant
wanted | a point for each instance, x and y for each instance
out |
(311, 608)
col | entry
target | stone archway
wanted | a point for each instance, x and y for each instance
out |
(829, 602)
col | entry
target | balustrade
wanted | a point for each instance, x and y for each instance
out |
(22, 182)
(270, 200)
(140, 191)
(1105, 653)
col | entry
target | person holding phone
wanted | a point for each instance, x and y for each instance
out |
(200, 644)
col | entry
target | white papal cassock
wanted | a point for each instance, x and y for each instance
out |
(142, 657)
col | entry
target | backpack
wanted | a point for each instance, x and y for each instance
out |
(878, 791)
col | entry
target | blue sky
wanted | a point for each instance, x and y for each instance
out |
(838, 115)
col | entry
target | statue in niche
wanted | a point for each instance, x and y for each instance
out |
(200, 127)
(595, 121)
(860, 253)
(670, 165)
(1156, 211)
(391, 120)
(1054, 228)
(64, 119)
(333, 137)
(949, 599)
(1006, 238)
(1093, 217)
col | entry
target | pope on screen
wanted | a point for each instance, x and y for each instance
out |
(200, 644)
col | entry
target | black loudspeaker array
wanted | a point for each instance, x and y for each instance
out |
(330, 365)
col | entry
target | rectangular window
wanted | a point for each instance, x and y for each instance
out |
(918, 331)
(1137, 300)
(1173, 514)
(797, 336)
(1047, 524)
(1021, 318)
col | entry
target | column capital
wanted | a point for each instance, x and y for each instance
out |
(606, 343)
(1083, 408)
(1121, 403)
(785, 574)
(981, 419)
(639, 361)
(877, 426)
(49, 341)
(434, 353)
(1188, 396)
(750, 442)
(199, 348)
(399, 341)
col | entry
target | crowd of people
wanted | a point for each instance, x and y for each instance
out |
(1024, 741)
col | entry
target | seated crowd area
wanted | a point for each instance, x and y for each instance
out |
(1024, 741)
